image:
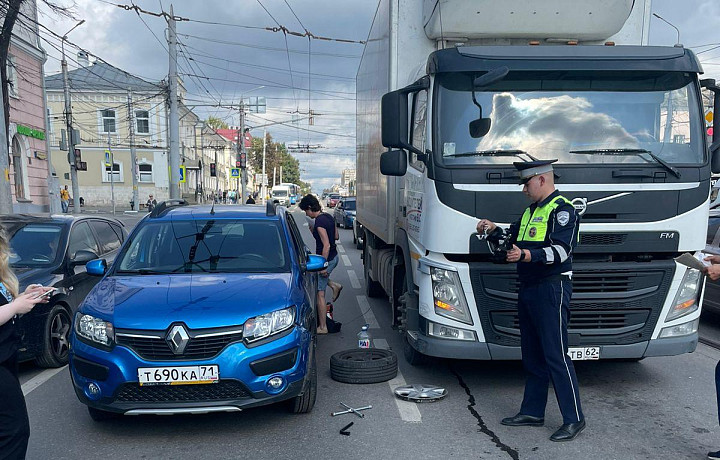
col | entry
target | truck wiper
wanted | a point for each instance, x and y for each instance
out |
(636, 152)
(495, 153)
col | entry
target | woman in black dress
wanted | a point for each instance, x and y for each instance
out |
(14, 425)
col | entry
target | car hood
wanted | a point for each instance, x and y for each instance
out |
(200, 301)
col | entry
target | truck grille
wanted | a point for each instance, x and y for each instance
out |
(224, 390)
(602, 238)
(608, 307)
(151, 345)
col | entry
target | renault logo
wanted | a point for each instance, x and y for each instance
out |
(177, 338)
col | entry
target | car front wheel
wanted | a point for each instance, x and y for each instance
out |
(55, 338)
(304, 403)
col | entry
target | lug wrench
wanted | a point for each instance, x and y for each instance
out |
(352, 411)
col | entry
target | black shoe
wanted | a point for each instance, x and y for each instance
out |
(714, 455)
(568, 431)
(523, 420)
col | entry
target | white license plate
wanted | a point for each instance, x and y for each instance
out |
(584, 353)
(185, 375)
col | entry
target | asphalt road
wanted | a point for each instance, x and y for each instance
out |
(656, 408)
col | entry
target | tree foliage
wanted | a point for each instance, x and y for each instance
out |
(216, 123)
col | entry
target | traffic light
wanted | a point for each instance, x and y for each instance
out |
(243, 160)
(237, 164)
(212, 170)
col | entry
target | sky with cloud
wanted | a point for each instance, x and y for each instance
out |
(227, 53)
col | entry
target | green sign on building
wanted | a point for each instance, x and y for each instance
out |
(25, 131)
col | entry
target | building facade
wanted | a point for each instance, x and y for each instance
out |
(29, 164)
(109, 107)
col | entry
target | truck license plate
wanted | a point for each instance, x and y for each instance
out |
(584, 353)
(185, 375)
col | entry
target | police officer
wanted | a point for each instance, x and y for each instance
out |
(544, 240)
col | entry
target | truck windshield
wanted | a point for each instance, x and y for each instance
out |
(574, 117)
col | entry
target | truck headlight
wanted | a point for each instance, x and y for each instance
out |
(94, 331)
(263, 326)
(448, 296)
(686, 300)
(688, 328)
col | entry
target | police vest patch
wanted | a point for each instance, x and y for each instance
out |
(532, 232)
(563, 217)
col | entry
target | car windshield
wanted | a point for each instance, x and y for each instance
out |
(334, 197)
(280, 193)
(349, 205)
(575, 117)
(216, 246)
(35, 245)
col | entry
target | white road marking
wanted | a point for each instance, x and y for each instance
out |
(354, 281)
(346, 260)
(409, 411)
(340, 248)
(39, 379)
(367, 312)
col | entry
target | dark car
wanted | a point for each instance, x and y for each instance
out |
(711, 301)
(206, 309)
(52, 251)
(345, 212)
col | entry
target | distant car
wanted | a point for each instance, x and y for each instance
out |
(345, 212)
(332, 200)
(52, 251)
(204, 310)
(711, 300)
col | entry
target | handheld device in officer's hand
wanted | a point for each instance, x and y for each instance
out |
(499, 244)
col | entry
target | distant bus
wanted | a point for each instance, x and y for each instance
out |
(293, 191)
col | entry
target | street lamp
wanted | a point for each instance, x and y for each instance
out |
(68, 120)
(671, 25)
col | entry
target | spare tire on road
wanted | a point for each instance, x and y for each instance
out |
(360, 365)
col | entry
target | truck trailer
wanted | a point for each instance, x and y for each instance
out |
(451, 92)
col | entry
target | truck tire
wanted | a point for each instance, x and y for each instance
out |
(357, 365)
(372, 288)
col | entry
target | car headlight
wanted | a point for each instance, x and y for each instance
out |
(448, 296)
(94, 331)
(686, 300)
(263, 326)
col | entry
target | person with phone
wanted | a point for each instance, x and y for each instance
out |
(14, 423)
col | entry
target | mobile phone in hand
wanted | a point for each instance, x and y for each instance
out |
(45, 294)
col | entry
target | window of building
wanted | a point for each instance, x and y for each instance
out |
(146, 172)
(18, 175)
(142, 120)
(117, 173)
(12, 77)
(108, 120)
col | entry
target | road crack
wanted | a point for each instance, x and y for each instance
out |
(481, 423)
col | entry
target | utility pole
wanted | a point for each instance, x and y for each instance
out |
(6, 206)
(242, 150)
(70, 133)
(133, 153)
(174, 128)
(264, 177)
(112, 173)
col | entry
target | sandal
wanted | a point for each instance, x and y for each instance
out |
(336, 293)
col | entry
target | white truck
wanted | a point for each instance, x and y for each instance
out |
(459, 89)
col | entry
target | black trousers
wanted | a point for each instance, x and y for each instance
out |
(14, 423)
(544, 311)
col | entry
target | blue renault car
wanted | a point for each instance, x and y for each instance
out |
(205, 309)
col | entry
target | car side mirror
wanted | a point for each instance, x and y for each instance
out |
(316, 263)
(81, 257)
(96, 267)
(393, 163)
